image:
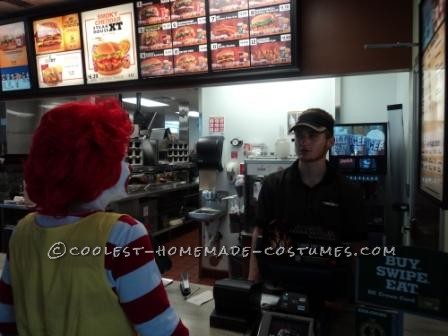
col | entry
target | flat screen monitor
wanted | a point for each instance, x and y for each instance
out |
(360, 148)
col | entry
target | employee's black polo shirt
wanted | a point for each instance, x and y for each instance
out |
(330, 211)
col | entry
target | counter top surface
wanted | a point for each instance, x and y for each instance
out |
(158, 190)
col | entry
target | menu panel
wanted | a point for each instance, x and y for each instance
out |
(14, 58)
(251, 33)
(229, 26)
(109, 40)
(271, 50)
(190, 59)
(178, 45)
(57, 42)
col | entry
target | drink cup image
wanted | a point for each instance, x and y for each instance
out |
(358, 144)
(375, 142)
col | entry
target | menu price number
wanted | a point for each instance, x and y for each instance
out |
(174, 24)
(141, 30)
(213, 18)
(201, 20)
(252, 12)
(243, 14)
(203, 48)
(284, 8)
(176, 51)
(168, 52)
(244, 43)
(166, 26)
(214, 46)
(131, 75)
(285, 37)
(93, 76)
(253, 41)
(139, 4)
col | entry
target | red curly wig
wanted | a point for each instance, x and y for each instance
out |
(76, 153)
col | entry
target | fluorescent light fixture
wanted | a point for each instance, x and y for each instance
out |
(194, 114)
(144, 102)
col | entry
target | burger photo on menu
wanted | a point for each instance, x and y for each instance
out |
(270, 51)
(8, 43)
(230, 57)
(264, 3)
(186, 9)
(152, 13)
(190, 62)
(109, 58)
(154, 38)
(157, 66)
(52, 75)
(229, 29)
(48, 37)
(271, 23)
(223, 6)
(189, 35)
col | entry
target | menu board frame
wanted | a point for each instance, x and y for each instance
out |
(208, 77)
(433, 126)
(251, 72)
(28, 66)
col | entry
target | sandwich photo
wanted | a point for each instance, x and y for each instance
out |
(271, 53)
(52, 75)
(109, 58)
(184, 33)
(154, 14)
(156, 66)
(8, 43)
(186, 62)
(155, 39)
(221, 6)
(48, 36)
(181, 7)
(262, 23)
(225, 57)
(150, 38)
(223, 31)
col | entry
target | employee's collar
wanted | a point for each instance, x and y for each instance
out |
(330, 172)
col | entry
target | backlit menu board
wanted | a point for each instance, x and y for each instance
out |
(172, 37)
(13, 57)
(246, 34)
(109, 44)
(433, 116)
(57, 42)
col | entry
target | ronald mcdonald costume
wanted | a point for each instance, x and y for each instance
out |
(75, 169)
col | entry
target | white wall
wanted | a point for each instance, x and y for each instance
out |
(365, 98)
(255, 112)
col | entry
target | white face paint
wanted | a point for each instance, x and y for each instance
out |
(112, 194)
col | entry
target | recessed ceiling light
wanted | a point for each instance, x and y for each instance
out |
(194, 114)
(144, 102)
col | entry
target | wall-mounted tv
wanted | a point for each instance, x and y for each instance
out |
(360, 148)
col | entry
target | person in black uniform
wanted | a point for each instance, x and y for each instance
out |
(309, 203)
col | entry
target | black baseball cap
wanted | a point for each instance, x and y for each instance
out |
(315, 118)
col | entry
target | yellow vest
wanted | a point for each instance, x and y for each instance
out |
(68, 296)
